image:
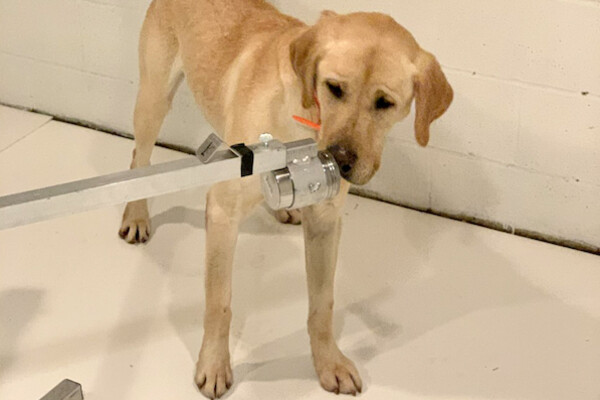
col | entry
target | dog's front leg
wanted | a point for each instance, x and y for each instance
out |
(322, 228)
(227, 204)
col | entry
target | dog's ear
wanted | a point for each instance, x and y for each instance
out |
(303, 55)
(328, 13)
(433, 95)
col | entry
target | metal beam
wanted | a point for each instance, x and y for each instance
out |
(140, 183)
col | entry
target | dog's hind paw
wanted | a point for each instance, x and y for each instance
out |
(137, 231)
(213, 379)
(135, 227)
(293, 217)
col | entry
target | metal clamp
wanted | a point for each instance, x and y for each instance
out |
(209, 147)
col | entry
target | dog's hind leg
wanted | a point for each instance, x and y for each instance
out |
(226, 206)
(160, 75)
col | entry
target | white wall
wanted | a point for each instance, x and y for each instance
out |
(78, 59)
(520, 146)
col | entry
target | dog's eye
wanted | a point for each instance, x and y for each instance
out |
(335, 89)
(383, 104)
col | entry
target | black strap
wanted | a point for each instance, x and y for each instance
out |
(247, 158)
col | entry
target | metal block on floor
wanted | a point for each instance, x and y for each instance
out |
(66, 390)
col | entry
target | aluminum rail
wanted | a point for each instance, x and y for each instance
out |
(140, 183)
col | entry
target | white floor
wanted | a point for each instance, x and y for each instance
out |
(428, 308)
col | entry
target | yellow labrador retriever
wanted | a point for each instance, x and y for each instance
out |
(251, 68)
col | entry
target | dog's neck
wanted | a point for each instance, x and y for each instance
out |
(291, 111)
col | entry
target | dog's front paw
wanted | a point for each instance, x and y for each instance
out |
(213, 376)
(135, 227)
(338, 374)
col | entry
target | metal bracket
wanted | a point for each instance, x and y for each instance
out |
(209, 147)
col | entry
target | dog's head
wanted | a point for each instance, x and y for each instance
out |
(365, 69)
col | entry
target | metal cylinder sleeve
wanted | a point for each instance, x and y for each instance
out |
(304, 182)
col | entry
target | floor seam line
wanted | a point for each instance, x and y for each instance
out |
(26, 135)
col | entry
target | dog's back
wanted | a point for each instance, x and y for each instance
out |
(207, 37)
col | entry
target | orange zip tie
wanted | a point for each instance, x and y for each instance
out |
(306, 122)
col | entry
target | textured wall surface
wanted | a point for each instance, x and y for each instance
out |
(520, 146)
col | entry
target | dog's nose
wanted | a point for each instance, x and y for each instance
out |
(345, 159)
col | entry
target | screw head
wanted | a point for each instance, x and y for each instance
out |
(265, 138)
(314, 187)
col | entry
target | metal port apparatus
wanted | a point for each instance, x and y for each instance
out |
(293, 175)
